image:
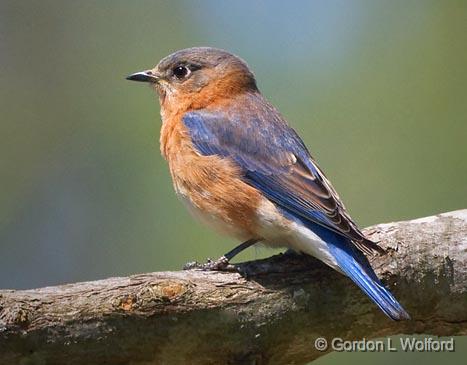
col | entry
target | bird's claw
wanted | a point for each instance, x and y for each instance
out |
(221, 264)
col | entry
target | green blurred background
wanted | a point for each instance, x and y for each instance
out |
(377, 90)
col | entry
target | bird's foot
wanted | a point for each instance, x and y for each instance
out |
(221, 264)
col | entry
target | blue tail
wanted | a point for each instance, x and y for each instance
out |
(356, 266)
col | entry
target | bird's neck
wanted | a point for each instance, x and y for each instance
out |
(215, 93)
(174, 135)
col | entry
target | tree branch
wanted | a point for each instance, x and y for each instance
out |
(271, 317)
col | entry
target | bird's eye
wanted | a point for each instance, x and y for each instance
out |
(181, 72)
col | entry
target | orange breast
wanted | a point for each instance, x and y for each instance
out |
(211, 186)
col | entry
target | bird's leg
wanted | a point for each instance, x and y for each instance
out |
(222, 263)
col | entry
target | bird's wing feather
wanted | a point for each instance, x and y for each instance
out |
(274, 160)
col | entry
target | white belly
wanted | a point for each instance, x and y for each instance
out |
(279, 231)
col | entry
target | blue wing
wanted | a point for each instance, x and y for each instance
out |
(274, 160)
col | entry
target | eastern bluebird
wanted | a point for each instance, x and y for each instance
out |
(241, 169)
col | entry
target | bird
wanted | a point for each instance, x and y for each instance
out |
(241, 169)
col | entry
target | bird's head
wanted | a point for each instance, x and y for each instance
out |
(198, 75)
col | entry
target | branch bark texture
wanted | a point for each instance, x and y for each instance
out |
(270, 314)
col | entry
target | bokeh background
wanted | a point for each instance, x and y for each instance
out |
(377, 90)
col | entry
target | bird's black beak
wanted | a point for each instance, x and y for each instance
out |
(144, 76)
